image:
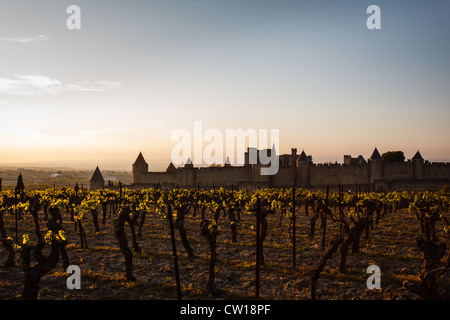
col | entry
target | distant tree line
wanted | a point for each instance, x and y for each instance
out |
(393, 156)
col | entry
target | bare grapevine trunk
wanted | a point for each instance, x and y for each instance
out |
(184, 239)
(34, 274)
(132, 223)
(427, 288)
(143, 213)
(353, 237)
(179, 223)
(46, 211)
(55, 225)
(343, 252)
(45, 264)
(378, 213)
(313, 225)
(210, 286)
(233, 224)
(34, 213)
(8, 244)
(210, 233)
(104, 211)
(82, 234)
(233, 232)
(119, 232)
(203, 212)
(264, 226)
(327, 254)
(94, 213)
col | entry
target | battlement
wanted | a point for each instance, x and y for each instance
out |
(299, 170)
(427, 163)
(397, 164)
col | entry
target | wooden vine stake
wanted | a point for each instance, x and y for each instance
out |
(293, 228)
(174, 252)
(325, 211)
(341, 209)
(258, 246)
(16, 225)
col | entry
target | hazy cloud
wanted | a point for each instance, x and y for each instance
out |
(101, 86)
(88, 133)
(25, 40)
(38, 84)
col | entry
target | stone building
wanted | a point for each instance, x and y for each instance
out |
(97, 181)
(299, 170)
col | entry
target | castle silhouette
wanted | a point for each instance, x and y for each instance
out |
(415, 174)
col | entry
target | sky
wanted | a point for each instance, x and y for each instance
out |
(137, 71)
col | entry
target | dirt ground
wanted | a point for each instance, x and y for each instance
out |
(390, 246)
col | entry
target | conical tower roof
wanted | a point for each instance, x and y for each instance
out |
(303, 157)
(20, 185)
(140, 160)
(189, 163)
(97, 176)
(375, 155)
(171, 167)
(417, 156)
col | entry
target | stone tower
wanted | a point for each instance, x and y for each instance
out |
(375, 166)
(189, 173)
(139, 169)
(417, 162)
(97, 181)
(304, 169)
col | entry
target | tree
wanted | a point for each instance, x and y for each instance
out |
(393, 156)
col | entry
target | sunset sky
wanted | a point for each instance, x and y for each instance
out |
(138, 70)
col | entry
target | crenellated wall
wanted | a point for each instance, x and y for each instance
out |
(436, 170)
(285, 177)
(410, 175)
(397, 170)
(334, 174)
(222, 176)
(414, 185)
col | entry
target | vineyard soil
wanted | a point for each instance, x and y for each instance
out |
(390, 246)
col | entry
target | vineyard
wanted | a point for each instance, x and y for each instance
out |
(278, 244)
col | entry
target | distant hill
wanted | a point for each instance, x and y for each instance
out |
(47, 177)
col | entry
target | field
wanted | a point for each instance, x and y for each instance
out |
(390, 245)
